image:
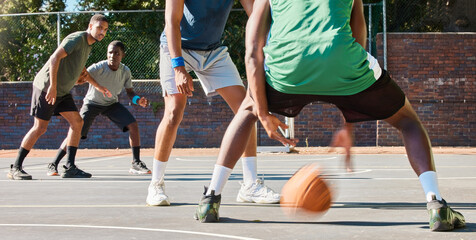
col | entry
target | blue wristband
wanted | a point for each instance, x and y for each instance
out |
(178, 62)
(134, 99)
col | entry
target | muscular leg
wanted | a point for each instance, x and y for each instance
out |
(38, 129)
(167, 130)
(234, 96)
(415, 138)
(74, 134)
(134, 136)
(237, 133)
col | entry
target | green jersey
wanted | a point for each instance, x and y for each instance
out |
(311, 50)
(77, 47)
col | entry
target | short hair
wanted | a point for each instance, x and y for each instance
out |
(119, 44)
(98, 18)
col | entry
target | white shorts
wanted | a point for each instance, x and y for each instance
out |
(214, 69)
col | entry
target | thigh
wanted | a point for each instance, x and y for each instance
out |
(65, 104)
(217, 70)
(119, 115)
(40, 108)
(88, 113)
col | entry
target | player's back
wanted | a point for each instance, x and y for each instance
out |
(311, 50)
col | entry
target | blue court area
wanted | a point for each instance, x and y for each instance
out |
(382, 199)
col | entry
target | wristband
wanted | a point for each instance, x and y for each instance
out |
(134, 99)
(177, 62)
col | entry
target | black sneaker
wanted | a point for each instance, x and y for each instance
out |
(208, 206)
(52, 170)
(74, 172)
(139, 168)
(442, 217)
(18, 174)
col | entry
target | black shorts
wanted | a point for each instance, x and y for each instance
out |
(41, 109)
(379, 101)
(116, 112)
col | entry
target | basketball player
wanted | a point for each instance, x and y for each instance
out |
(313, 51)
(51, 96)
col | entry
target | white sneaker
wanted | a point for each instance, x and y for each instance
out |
(257, 192)
(156, 196)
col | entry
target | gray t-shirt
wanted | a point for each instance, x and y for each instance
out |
(114, 81)
(202, 24)
(77, 47)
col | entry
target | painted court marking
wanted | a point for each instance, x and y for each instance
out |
(130, 228)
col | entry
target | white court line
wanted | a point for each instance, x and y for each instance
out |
(80, 161)
(129, 228)
(259, 159)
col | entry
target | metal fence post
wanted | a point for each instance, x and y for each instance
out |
(58, 30)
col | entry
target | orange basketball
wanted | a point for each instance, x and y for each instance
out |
(306, 192)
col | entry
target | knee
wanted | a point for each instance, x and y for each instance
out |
(39, 130)
(173, 117)
(77, 125)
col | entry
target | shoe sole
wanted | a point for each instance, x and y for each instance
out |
(52, 174)
(208, 218)
(242, 200)
(75, 176)
(162, 203)
(133, 171)
(11, 177)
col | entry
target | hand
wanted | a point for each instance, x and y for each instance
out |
(82, 77)
(183, 81)
(51, 96)
(271, 125)
(143, 102)
(105, 92)
(344, 138)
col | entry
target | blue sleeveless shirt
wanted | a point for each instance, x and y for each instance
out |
(202, 24)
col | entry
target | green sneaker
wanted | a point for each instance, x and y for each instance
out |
(442, 217)
(208, 206)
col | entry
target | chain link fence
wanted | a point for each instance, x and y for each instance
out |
(27, 40)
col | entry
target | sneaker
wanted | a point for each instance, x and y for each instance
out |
(139, 168)
(18, 174)
(156, 195)
(74, 172)
(257, 192)
(52, 170)
(208, 206)
(442, 217)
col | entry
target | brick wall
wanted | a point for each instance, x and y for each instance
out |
(436, 71)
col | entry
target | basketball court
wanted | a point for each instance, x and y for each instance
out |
(382, 199)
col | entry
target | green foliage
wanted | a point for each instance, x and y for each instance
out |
(417, 15)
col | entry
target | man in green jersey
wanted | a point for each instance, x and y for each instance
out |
(51, 96)
(312, 50)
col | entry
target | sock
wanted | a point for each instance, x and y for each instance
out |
(71, 151)
(158, 170)
(219, 178)
(21, 156)
(136, 154)
(429, 182)
(250, 172)
(61, 153)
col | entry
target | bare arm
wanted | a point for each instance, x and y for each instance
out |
(256, 35)
(248, 6)
(55, 60)
(173, 16)
(358, 24)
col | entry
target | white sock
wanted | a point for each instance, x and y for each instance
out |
(158, 170)
(429, 182)
(219, 178)
(250, 172)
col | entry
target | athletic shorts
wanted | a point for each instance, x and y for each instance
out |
(41, 109)
(379, 101)
(116, 112)
(214, 69)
